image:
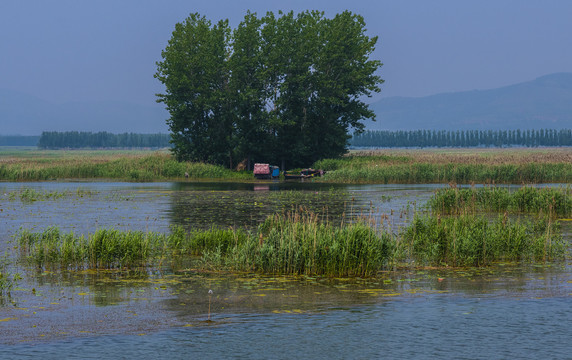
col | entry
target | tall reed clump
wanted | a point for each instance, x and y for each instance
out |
(106, 248)
(527, 199)
(197, 242)
(111, 248)
(470, 240)
(296, 243)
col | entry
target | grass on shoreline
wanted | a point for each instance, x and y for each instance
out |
(123, 165)
(463, 166)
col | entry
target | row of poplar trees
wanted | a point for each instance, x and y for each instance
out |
(284, 89)
(102, 139)
(463, 138)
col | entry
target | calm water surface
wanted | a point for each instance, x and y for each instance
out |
(508, 311)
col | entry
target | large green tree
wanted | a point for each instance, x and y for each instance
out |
(247, 87)
(285, 89)
(194, 71)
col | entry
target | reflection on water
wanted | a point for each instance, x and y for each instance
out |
(157, 206)
(470, 313)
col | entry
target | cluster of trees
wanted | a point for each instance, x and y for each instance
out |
(78, 140)
(462, 138)
(18, 140)
(278, 89)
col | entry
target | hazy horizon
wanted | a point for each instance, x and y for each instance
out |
(67, 51)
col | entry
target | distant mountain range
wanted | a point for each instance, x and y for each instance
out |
(23, 114)
(542, 103)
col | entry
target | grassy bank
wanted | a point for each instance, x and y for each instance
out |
(514, 166)
(299, 243)
(461, 166)
(122, 165)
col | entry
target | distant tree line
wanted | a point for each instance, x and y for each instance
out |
(18, 140)
(463, 138)
(81, 139)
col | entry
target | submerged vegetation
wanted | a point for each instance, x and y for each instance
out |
(7, 279)
(28, 195)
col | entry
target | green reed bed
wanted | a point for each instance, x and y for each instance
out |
(106, 248)
(470, 240)
(361, 161)
(297, 243)
(198, 242)
(129, 166)
(453, 172)
(111, 248)
(526, 199)
(451, 165)
(284, 244)
(301, 243)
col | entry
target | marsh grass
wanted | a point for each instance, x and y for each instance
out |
(514, 166)
(422, 166)
(459, 173)
(295, 243)
(106, 248)
(126, 165)
(305, 243)
(198, 242)
(111, 248)
(290, 243)
(527, 199)
(469, 240)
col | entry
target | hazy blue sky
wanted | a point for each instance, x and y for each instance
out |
(76, 50)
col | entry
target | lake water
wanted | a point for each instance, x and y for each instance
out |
(506, 311)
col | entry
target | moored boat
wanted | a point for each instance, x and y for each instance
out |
(266, 171)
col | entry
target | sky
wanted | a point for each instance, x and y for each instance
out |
(105, 50)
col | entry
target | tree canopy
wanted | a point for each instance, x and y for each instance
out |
(283, 89)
